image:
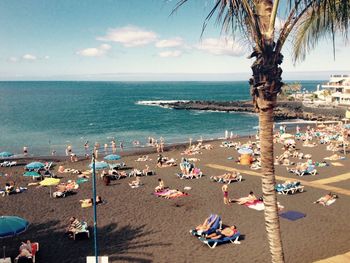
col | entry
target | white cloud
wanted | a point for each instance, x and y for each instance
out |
(129, 36)
(46, 57)
(172, 42)
(170, 53)
(221, 46)
(29, 57)
(94, 51)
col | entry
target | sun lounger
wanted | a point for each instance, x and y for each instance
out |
(291, 188)
(117, 166)
(212, 243)
(216, 225)
(226, 180)
(309, 170)
(83, 232)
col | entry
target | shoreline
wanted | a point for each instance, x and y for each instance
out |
(284, 110)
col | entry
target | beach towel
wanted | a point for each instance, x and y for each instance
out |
(256, 205)
(292, 215)
(82, 180)
(230, 158)
(328, 203)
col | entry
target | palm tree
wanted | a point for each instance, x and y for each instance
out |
(307, 21)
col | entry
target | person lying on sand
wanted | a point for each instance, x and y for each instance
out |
(326, 199)
(241, 201)
(226, 232)
(89, 202)
(334, 157)
(143, 158)
(173, 194)
(206, 224)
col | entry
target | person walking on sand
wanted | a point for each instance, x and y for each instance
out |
(106, 148)
(224, 189)
(86, 147)
(121, 145)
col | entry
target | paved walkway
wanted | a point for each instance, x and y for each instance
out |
(336, 259)
(320, 184)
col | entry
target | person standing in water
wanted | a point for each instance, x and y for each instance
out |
(25, 150)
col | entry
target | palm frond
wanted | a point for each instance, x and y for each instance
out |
(235, 16)
(321, 21)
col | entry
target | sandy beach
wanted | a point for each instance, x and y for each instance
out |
(136, 226)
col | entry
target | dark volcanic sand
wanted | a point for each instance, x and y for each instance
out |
(135, 226)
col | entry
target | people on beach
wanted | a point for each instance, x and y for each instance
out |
(106, 148)
(226, 232)
(241, 201)
(89, 202)
(224, 189)
(114, 146)
(160, 186)
(136, 182)
(207, 224)
(325, 200)
(25, 150)
(74, 226)
(68, 150)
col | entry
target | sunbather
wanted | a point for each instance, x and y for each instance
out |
(160, 186)
(74, 226)
(241, 201)
(136, 182)
(326, 199)
(226, 232)
(89, 202)
(207, 224)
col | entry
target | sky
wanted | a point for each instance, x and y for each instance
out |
(134, 40)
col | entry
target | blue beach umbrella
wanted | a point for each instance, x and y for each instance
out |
(112, 157)
(12, 225)
(100, 165)
(35, 165)
(245, 151)
(5, 154)
(32, 174)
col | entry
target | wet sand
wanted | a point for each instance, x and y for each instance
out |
(136, 226)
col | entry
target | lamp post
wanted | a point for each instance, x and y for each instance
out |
(94, 205)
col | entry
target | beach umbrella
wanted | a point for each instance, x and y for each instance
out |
(32, 174)
(12, 225)
(5, 154)
(286, 136)
(50, 182)
(99, 165)
(112, 157)
(35, 165)
(245, 151)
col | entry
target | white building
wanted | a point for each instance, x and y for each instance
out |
(336, 90)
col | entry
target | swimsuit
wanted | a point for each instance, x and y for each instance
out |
(225, 194)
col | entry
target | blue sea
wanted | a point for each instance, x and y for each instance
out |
(47, 116)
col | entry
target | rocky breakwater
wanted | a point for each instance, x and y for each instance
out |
(283, 111)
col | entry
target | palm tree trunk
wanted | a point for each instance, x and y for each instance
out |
(268, 184)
